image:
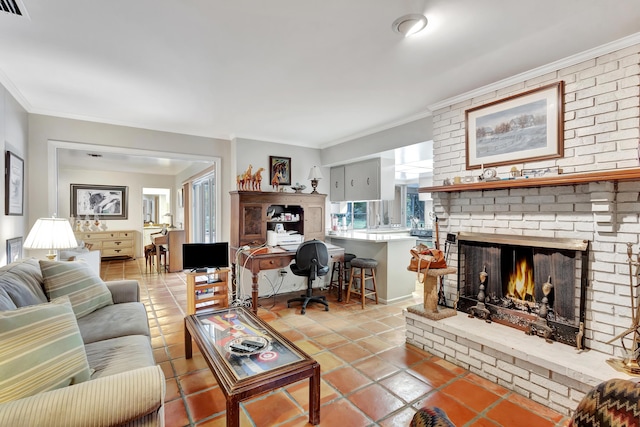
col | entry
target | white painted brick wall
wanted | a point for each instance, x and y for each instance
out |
(602, 132)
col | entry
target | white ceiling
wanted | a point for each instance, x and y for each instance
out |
(310, 73)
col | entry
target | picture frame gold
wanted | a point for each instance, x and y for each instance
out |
(525, 127)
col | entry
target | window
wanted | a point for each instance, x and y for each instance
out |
(415, 217)
(204, 209)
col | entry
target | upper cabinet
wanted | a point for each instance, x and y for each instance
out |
(371, 179)
(336, 193)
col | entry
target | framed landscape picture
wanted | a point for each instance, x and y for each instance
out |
(105, 201)
(522, 128)
(280, 170)
(13, 184)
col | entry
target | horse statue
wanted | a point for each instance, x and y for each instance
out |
(275, 181)
(256, 180)
(243, 181)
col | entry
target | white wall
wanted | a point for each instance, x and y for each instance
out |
(13, 131)
(602, 132)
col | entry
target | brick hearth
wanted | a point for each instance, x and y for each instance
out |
(554, 374)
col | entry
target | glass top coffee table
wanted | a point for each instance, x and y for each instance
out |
(248, 357)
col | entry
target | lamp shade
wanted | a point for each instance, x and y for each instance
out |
(315, 173)
(51, 233)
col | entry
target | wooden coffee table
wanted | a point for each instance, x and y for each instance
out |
(248, 357)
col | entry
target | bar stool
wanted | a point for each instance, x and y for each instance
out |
(340, 267)
(150, 254)
(363, 264)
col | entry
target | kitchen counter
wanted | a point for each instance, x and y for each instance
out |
(393, 281)
(367, 236)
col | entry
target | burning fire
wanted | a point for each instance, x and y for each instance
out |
(521, 284)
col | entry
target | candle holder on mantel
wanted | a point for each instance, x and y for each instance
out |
(480, 310)
(540, 327)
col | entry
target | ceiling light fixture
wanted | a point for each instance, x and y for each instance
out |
(409, 25)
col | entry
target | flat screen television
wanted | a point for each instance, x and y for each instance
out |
(203, 256)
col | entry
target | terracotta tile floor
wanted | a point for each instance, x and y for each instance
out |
(370, 377)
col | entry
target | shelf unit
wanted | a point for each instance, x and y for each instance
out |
(630, 174)
(207, 290)
(251, 207)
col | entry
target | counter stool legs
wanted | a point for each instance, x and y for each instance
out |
(358, 280)
(335, 283)
(342, 269)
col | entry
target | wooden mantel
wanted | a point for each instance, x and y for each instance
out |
(631, 174)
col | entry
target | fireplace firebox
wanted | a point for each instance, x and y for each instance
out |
(534, 284)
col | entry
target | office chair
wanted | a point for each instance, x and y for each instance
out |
(312, 260)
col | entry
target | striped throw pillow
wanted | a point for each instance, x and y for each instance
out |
(86, 291)
(40, 349)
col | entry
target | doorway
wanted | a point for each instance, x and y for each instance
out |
(156, 211)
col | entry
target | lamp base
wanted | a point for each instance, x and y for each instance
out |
(51, 256)
(314, 185)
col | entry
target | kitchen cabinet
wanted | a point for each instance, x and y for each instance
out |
(336, 193)
(371, 179)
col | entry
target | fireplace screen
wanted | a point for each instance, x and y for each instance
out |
(533, 284)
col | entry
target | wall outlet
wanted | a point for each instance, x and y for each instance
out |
(282, 272)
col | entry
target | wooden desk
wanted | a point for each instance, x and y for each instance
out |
(174, 239)
(269, 258)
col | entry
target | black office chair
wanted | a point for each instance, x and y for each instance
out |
(312, 260)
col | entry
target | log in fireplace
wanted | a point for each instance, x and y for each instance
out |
(532, 283)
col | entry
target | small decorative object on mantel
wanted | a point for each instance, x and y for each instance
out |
(298, 188)
(536, 173)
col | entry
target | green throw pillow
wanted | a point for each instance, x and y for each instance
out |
(40, 349)
(86, 291)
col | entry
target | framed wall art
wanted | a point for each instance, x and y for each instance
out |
(14, 249)
(106, 201)
(13, 184)
(522, 128)
(280, 170)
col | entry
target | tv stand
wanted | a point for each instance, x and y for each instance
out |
(207, 290)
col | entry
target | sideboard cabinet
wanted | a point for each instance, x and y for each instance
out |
(117, 243)
(253, 213)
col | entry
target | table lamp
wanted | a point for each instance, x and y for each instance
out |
(314, 176)
(170, 216)
(52, 234)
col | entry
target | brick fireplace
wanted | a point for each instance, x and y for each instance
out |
(533, 284)
(601, 133)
